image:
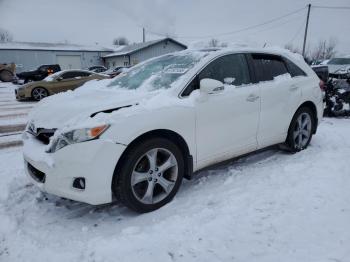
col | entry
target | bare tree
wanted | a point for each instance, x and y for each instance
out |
(5, 36)
(121, 40)
(324, 50)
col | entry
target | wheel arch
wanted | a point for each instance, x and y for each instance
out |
(167, 134)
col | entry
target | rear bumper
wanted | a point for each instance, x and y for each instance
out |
(95, 161)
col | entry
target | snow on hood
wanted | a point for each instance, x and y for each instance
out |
(58, 110)
(94, 104)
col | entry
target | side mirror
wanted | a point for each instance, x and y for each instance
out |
(210, 86)
(59, 78)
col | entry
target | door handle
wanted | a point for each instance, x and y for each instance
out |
(252, 98)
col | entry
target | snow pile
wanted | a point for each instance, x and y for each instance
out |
(270, 206)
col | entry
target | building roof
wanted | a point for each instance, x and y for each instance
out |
(129, 49)
(56, 47)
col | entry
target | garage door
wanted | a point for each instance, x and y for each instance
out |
(69, 61)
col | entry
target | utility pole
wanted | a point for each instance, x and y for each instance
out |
(143, 35)
(306, 27)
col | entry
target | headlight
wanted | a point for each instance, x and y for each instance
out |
(75, 136)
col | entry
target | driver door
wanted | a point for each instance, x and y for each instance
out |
(227, 121)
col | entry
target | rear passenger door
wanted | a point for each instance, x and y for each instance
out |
(280, 96)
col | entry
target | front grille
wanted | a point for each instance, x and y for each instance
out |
(44, 135)
(36, 174)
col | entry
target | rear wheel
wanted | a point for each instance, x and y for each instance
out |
(301, 129)
(150, 176)
(39, 93)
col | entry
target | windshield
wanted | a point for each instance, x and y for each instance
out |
(158, 73)
(52, 76)
(339, 61)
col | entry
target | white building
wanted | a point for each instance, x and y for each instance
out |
(133, 54)
(27, 55)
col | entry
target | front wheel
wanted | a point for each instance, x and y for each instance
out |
(39, 93)
(301, 129)
(150, 176)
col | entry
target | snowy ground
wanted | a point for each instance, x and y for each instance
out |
(270, 206)
(13, 116)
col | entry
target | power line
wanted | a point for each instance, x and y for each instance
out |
(332, 7)
(270, 27)
(297, 33)
(236, 31)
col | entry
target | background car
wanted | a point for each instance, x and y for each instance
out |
(339, 67)
(39, 74)
(113, 72)
(7, 72)
(56, 83)
(97, 69)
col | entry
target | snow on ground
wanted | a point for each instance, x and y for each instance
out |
(269, 206)
(13, 115)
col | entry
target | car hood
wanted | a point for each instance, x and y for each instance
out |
(81, 105)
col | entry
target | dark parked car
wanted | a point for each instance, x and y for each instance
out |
(97, 69)
(39, 74)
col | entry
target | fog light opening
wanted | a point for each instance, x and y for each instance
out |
(79, 183)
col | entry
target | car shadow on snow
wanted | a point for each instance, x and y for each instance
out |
(69, 209)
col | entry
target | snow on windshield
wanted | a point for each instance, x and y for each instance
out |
(158, 73)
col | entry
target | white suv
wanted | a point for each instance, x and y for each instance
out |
(135, 137)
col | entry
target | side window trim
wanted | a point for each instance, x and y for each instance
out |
(249, 59)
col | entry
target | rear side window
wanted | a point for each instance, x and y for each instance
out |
(293, 69)
(268, 66)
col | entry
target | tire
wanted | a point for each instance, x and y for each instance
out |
(39, 93)
(301, 129)
(6, 76)
(143, 187)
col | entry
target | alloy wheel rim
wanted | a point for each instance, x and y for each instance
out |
(39, 93)
(302, 130)
(154, 176)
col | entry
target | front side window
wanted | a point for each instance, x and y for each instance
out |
(230, 69)
(267, 67)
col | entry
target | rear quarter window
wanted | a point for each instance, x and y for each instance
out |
(293, 69)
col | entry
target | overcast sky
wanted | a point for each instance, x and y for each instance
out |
(91, 21)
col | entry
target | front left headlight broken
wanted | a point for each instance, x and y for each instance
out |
(76, 136)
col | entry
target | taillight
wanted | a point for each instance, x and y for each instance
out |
(322, 85)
